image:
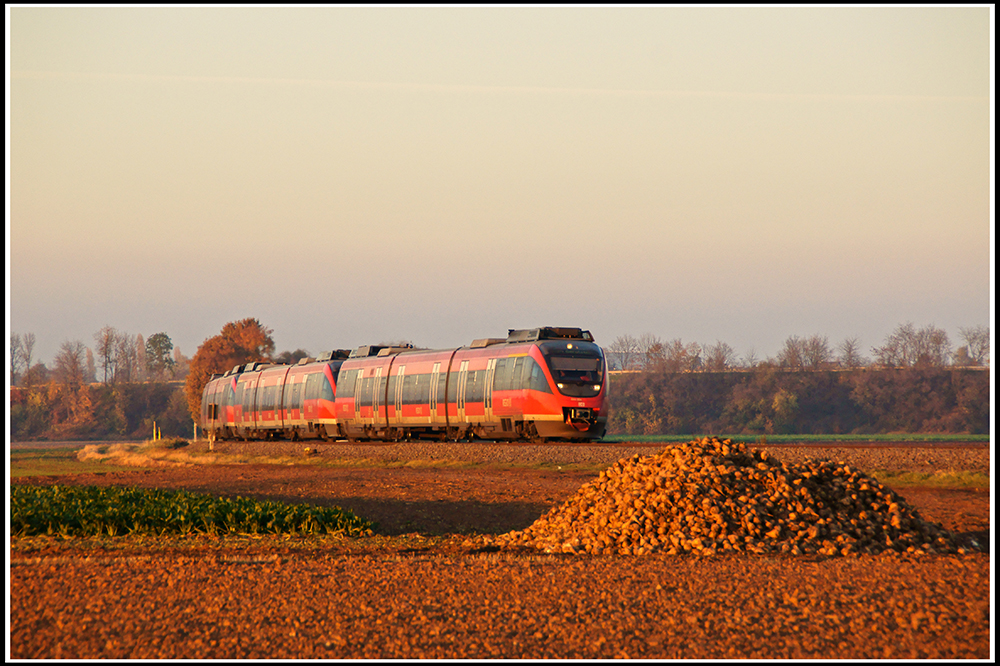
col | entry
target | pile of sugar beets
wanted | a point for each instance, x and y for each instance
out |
(712, 495)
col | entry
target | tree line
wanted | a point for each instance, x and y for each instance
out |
(124, 384)
(907, 346)
(116, 358)
(118, 388)
(773, 400)
(916, 383)
(913, 382)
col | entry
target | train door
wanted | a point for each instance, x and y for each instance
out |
(249, 400)
(398, 398)
(463, 378)
(491, 370)
(376, 394)
(357, 393)
(435, 376)
(308, 398)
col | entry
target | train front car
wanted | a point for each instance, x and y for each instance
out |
(567, 401)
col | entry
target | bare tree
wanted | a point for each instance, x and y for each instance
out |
(27, 349)
(126, 358)
(977, 344)
(908, 346)
(650, 351)
(70, 363)
(750, 359)
(21, 349)
(625, 349)
(719, 356)
(16, 358)
(816, 351)
(933, 347)
(679, 357)
(107, 341)
(792, 354)
(850, 353)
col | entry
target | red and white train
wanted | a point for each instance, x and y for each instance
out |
(537, 384)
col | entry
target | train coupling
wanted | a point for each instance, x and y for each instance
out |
(581, 418)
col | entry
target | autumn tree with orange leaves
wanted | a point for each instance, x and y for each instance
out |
(239, 342)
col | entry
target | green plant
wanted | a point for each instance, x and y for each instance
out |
(90, 511)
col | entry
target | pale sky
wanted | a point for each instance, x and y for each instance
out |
(355, 175)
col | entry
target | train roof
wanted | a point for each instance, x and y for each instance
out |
(548, 333)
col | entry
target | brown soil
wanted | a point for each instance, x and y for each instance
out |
(426, 587)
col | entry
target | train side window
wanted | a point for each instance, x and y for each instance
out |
(534, 378)
(365, 399)
(345, 383)
(501, 378)
(325, 388)
(312, 386)
(423, 384)
(474, 389)
(515, 375)
(407, 394)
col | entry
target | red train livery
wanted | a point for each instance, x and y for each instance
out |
(541, 384)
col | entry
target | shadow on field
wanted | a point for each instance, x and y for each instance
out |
(978, 540)
(396, 516)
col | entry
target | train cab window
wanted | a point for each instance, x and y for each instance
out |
(576, 371)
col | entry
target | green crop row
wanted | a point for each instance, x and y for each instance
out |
(71, 511)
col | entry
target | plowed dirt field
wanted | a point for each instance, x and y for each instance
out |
(425, 587)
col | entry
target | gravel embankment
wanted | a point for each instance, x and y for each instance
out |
(893, 457)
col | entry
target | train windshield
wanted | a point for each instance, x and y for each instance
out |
(577, 368)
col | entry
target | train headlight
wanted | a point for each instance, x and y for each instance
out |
(597, 387)
(560, 386)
